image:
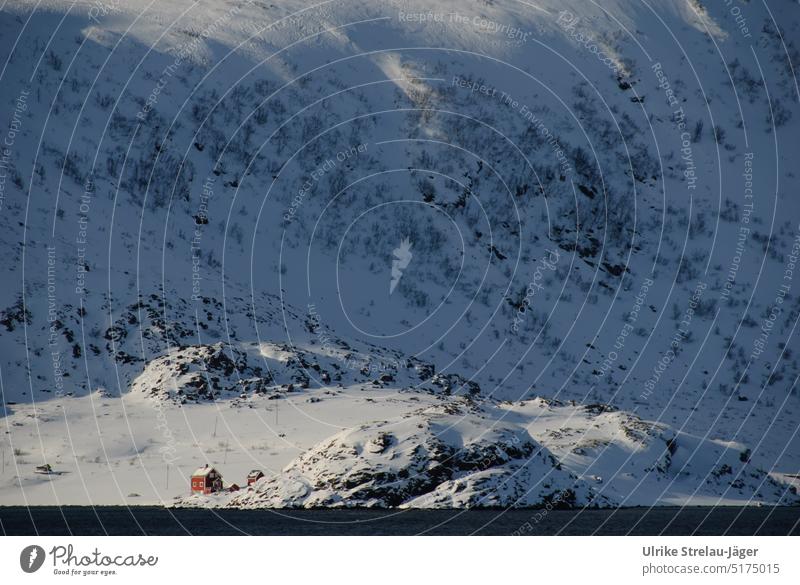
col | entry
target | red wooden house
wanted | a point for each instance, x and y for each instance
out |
(254, 476)
(206, 480)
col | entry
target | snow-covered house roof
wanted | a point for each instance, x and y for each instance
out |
(255, 473)
(204, 471)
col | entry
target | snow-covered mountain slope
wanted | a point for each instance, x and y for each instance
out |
(226, 206)
(531, 453)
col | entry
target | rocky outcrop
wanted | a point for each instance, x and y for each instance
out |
(534, 453)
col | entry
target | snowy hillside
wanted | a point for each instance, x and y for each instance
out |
(400, 253)
(530, 454)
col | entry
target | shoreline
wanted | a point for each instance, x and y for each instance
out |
(396, 509)
(156, 520)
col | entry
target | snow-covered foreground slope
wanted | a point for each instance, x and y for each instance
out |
(322, 448)
(534, 453)
(400, 253)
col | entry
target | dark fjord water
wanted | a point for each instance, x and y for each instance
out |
(112, 520)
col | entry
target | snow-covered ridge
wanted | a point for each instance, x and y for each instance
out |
(533, 453)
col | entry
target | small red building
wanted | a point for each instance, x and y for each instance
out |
(254, 476)
(206, 480)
